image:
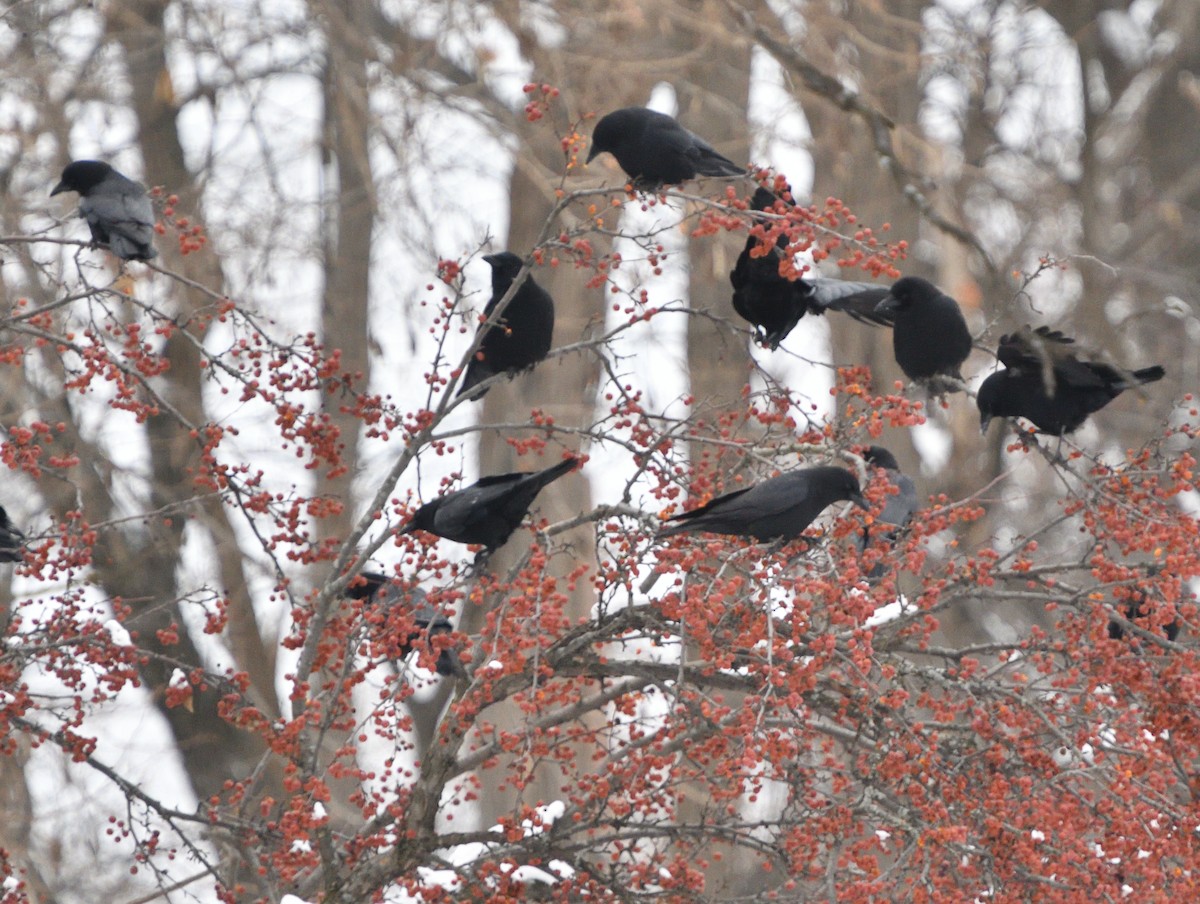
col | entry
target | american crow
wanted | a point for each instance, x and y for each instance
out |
(930, 335)
(1135, 611)
(1044, 382)
(488, 512)
(774, 304)
(898, 509)
(116, 208)
(780, 507)
(656, 150)
(521, 337)
(426, 619)
(10, 540)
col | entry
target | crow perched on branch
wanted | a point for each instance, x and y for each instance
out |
(1044, 382)
(929, 335)
(654, 149)
(780, 507)
(116, 208)
(774, 304)
(10, 540)
(487, 512)
(1136, 611)
(521, 337)
(899, 507)
(426, 619)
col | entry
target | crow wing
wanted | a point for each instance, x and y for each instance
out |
(121, 217)
(741, 510)
(1047, 352)
(704, 156)
(858, 299)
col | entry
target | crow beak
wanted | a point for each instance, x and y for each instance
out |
(491, 259)
(592, 153)
(861, 502)
(984, 420)
(62, 186)
(887, 306)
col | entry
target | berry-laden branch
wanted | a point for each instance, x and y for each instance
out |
(795, 695)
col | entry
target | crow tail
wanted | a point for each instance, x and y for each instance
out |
(552, 474)
(1148, 375)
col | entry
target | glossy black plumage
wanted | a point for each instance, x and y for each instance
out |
(116, 208)
(486, 512)
(654, 149)
(929, 334)
(774, 304)
(10, 540)
(1045, 382)
(780, 507)
(426, 619)
(898, 508)
(521, 337)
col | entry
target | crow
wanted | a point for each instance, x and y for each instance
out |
(487, 512)
(1044, 382)
(10, 540)
(426, 619)
(899, 507)
(780, 507)
(1135, 611)
(929, 336)
(521, 337)
(656, 150)
(774, 304)
(116, 208)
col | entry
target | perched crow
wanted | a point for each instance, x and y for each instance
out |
(116, 208)
(1044, 382)
(521, 337)
(426, 619)
(10, 540)
(656, 150)
(489, 511)
(929, 336)
(782, 506)
(898, 508)
(1135, 610)
(774, 304)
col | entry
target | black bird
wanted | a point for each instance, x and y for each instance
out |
(426, 619)
(487, 512)
(116, 208)
(10, 540)
(654, 149)
(521, 337)
(780, 507)
(1135, 611)
(899, 507)
(774, 304)
(929, 335)
(1044, 382)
